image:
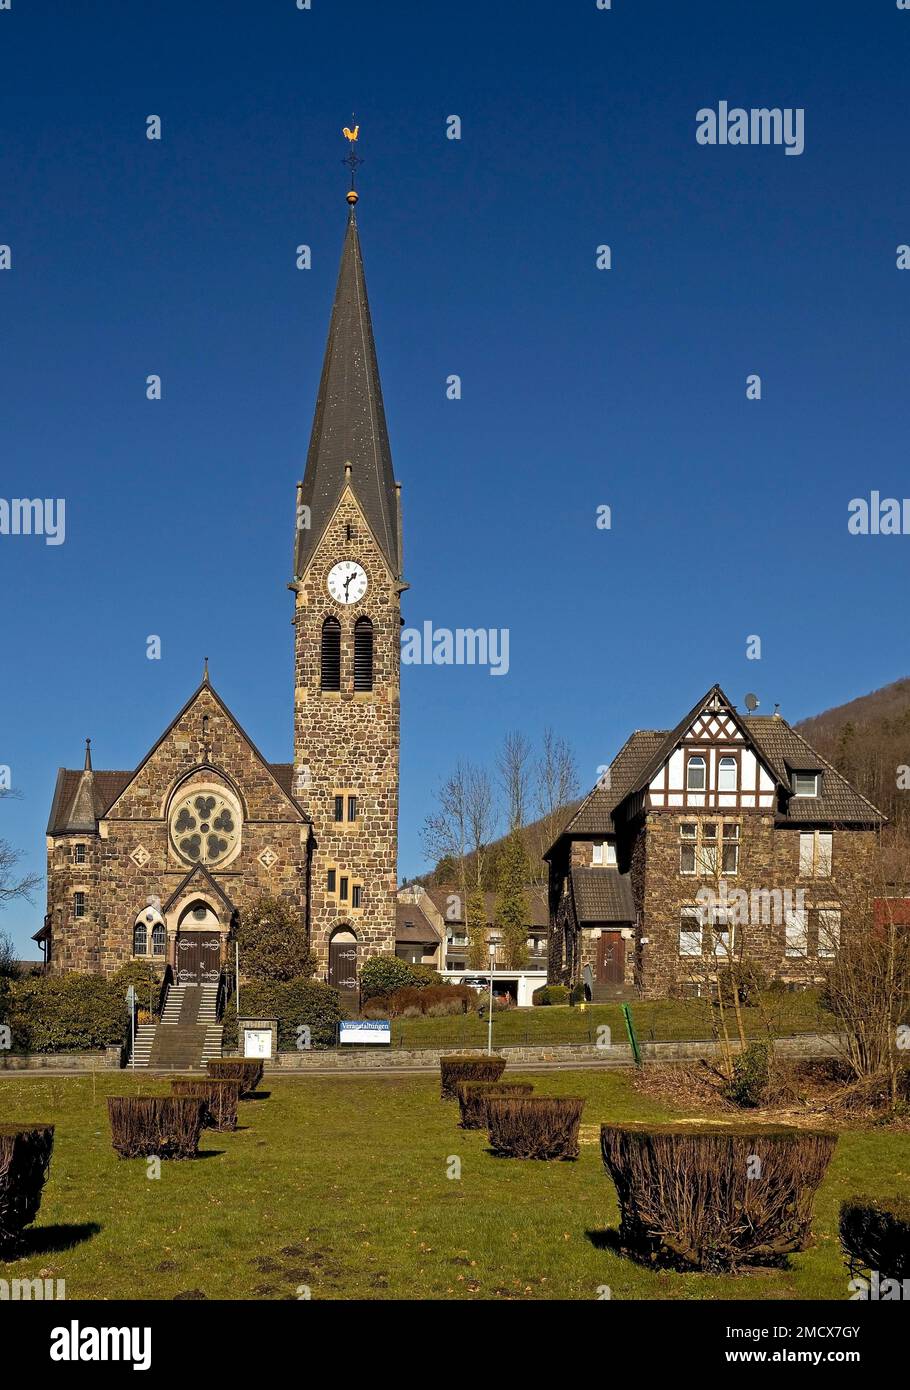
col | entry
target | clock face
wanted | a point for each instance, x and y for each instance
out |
(347, 582)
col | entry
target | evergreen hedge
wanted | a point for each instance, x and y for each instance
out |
(386, 974)
(294, 1003)
(25, 1158)
(715, 1199)
(875, 1235)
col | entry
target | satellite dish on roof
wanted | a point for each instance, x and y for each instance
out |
(752, 703)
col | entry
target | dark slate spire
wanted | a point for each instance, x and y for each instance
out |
(83, 812)
(349, 425)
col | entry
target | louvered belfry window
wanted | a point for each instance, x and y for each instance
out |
(331, 654)
(363, 654)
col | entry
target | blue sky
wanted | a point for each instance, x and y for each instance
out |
(580, 387)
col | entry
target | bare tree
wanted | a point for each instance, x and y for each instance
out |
(12, 885)
(514, 764)
(481, 818)
(555, 785)
(445, 830)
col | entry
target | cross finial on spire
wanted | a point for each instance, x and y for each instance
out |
(88, 755)
(351, 134)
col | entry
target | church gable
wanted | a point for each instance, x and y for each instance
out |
(206, 740)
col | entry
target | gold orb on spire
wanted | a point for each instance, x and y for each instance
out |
(352, 196)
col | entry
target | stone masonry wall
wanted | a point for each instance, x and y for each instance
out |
(349, 741)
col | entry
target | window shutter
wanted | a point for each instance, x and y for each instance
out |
(363, 654)
(331, 654)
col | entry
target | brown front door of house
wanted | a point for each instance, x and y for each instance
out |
(343, 964)
(198, 957)
(611, 959)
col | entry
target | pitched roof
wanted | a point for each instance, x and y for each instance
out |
(787, 752)
(412, 926)
(107, 787)
(449, 897)
(603, 895)
(778, 745)
(594, 815)
(349, 424)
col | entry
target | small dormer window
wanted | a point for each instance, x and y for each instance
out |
(805, 784)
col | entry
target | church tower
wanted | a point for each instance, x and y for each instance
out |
(347, 585)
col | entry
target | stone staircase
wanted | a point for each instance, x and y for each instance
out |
(188, 1035)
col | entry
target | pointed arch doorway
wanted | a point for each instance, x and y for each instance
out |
(343, 959)
(198, 953)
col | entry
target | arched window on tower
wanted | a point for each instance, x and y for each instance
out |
(159, 939)
(140, 938)
(363, 654)
(331, 654)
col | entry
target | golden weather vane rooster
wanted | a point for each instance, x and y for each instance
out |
(351, 134)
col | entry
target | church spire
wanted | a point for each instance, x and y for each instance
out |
(349, 426)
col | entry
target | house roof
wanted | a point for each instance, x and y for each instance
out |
(602, 895)
(787, 752)
(594, 815)
(447, 898)
(412, 926)
(780, 747)
(349, 424)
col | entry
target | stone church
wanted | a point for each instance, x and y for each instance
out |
(159, 862)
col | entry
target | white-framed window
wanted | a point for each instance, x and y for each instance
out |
(828, 932)
(805, 784)
(78, 904)
(604, 852)
(815, 853)
(690, 932)
(700, 842)
(722, 932)
(695, 773)
(688, 837)
(797, 933)
(726, 775)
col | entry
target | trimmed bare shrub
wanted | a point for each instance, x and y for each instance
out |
(220, 1098)
(715, 1199)
(159, 1126)
(475, 1066)
(473, 1097)
(875, 1235)
(534, 1126)
(25, 1158)
(246, 1070)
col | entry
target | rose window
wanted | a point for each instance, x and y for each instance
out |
(205, 827)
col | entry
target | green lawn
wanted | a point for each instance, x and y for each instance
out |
(656, 1020)
(340, 1184)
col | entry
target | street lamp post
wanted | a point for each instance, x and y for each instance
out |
(494, 942)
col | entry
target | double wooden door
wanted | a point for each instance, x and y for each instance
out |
(198, 957)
